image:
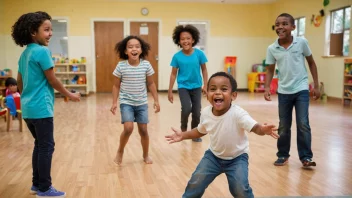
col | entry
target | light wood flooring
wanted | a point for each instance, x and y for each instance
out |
(87, 137)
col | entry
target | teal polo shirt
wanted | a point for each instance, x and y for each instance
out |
(290, 64)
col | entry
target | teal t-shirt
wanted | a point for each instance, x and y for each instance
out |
(37, 97)
(189, 67)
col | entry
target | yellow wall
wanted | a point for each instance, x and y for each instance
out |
(330, 69)
(225, 19)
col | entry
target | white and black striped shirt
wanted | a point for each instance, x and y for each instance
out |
(133, 82)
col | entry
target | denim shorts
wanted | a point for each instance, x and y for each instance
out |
(130, 113)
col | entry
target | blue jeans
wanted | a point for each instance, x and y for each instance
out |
(131, 113)
(43, 133)
(210, 167)
(300, 101)
(190, 102)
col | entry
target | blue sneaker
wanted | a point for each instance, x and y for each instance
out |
(197, 140)
(52, 192)
(33, 190)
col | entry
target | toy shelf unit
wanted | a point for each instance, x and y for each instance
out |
(256, 81)
(73, 76)
(230, 65)
(347, 83)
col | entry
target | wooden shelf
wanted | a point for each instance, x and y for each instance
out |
(4, 77)
(346, 75)
(75, 85)
(66, 64)
(348, 84)
(82, 72)
(347, 98)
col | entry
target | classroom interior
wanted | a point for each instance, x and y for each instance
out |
(87, 134)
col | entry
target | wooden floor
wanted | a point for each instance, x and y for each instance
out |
(87, 137)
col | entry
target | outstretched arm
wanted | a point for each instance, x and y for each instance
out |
(178, 135)
(265, 129)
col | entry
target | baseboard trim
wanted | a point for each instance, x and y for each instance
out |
(334, 99)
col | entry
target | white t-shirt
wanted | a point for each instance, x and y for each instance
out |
(228, 138)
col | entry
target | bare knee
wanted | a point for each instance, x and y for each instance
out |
(127, 131)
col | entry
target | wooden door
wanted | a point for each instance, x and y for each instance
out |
(107, 34)
(149, 32)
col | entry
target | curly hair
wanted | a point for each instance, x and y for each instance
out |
(26, 25)
(231, 79)
(121, 47)
(185, 28)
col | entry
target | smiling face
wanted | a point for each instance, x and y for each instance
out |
(284, 27)
(186, 40)
(44, 33)
(220, 94)
(133, 49)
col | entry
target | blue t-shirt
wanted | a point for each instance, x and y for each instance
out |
(189, 67)
(37, 97)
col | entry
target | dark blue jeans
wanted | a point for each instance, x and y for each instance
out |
(300, 101)
(210, 167)
(190, 103)
(43, 133)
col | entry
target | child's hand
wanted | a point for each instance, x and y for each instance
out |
(267, 95)
(156, 107)
(269, 130)
(75, 97)
(204, 90)
(170, 97)
(316, 93)
(113, 108)
(176, 137)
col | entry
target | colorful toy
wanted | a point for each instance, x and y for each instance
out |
(230, 63)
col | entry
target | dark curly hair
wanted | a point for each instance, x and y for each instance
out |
(226, 75)
(185, 28)
(26, 25)
(121, 47)
(10, 81)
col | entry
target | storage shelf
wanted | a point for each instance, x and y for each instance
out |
(82, 72)
(66, 64)
(348, 84)
(346, 75)
(75, 85)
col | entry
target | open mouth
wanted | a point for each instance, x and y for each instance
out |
(134, 53)
(280, 32)
(218, 101)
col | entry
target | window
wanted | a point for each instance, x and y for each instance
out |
(340, 31)
(300, 26)
(202, 27)
(58, 44)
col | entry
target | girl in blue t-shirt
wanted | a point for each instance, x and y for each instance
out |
(186, 65)
(36, 81)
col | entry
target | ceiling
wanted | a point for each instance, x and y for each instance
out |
(210, 1)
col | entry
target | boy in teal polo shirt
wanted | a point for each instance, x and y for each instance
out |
(288, 52)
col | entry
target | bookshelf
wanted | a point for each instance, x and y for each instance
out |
(73, 76)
